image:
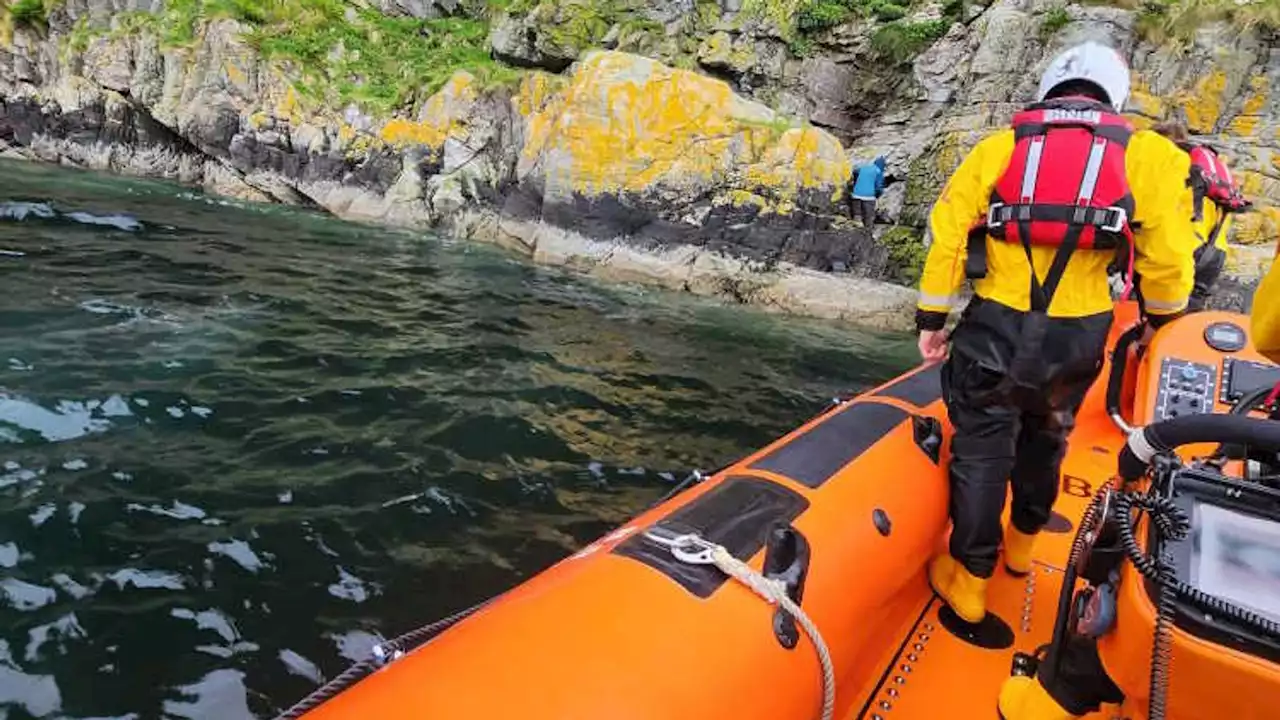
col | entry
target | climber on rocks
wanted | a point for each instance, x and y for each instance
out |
(867, 187)
(1034, 215)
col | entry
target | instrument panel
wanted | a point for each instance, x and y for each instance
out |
(1185, 388)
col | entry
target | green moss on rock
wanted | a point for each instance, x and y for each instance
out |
(906, 253)
(900, 41)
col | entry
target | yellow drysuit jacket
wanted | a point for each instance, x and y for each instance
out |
(1266, 314)
(1164, 243)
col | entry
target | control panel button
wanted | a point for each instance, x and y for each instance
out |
(1186, 388)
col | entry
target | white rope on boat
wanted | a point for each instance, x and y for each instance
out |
(694, 550)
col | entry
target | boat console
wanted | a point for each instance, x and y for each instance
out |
(1182, 558)
(1205, 366)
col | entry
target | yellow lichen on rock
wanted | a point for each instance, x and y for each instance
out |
(441, 116)
(802, 158)
(1204, 104)
(290, 107)
(536, 89)
(1246, 123)
(1262, 226)
(628, 124)
(741, 198)
(1143, 102)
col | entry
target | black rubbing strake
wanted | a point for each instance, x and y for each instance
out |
(920, 389)
(812, 458)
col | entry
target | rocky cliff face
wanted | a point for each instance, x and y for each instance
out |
(705, 147)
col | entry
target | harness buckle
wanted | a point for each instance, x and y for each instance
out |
(1122, 218)
(991, 215)
(687, 547)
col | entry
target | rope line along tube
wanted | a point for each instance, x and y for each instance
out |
(694, 550)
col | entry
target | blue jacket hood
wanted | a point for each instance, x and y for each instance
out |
(869, 179)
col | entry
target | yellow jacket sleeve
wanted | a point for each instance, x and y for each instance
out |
(1166, 240)
(962, 205)
(1266, 315)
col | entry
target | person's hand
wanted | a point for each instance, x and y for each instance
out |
(933, 345)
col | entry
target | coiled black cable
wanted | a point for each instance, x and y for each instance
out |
(1161, 647)
(1171, 523)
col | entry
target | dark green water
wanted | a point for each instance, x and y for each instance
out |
(238, 443)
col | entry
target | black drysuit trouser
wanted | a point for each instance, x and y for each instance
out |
(1012, 428)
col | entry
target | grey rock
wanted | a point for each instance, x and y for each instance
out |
(418, 8)
(523, 41)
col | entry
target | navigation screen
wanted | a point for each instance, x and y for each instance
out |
(1247, 376)
(1237, 558)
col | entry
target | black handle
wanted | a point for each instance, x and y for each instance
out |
(786, 558)
(1119, 363)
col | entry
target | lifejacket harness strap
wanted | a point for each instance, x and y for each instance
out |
(1109, 219)
(1216, 231)
(1113, 133)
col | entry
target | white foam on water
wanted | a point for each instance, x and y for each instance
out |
(43, 513)
(210, 620)
(70, 586)
(355, 645)
(65, 628)
(38, 695)
(146, 579)
(350, 587)
(298, 665)
(25, 596)
(239, 552)
(220, 694)
(178, 511)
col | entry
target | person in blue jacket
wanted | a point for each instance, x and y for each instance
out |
(868, 185)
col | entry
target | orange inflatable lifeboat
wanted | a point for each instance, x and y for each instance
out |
(840, 516)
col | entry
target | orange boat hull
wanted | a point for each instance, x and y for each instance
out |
(621, 631)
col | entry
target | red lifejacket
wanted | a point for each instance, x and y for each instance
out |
(1066, 177)
(1210, 178)
(1065, 186)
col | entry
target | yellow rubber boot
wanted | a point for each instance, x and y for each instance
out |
(964, 593)
(1017, 551)
(1024, 698)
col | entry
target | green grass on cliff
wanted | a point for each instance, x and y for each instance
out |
(344, 52)
(1176, 21)
(29, 12)
(818, 15)
(900, 41)
(895, 40)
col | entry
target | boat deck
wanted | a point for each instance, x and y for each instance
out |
(935, 674)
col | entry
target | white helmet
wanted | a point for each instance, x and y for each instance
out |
(1091, 62)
